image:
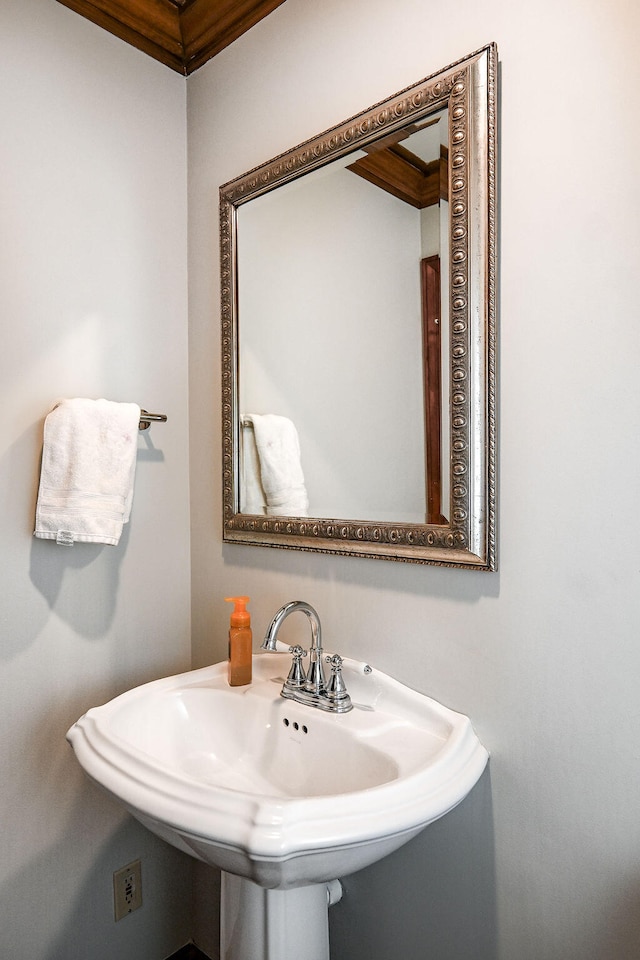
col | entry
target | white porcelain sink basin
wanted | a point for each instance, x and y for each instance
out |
(278, 793)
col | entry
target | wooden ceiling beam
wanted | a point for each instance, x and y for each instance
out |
(149, 25)
(207, 28)
(182, 34)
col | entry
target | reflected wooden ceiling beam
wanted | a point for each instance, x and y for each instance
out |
(404, 175)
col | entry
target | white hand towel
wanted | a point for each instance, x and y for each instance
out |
(280, 467)
(88, 469)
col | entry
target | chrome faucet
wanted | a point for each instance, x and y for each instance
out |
(310, 688)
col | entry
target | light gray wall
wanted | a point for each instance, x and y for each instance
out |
(93, 303)
(542, 861)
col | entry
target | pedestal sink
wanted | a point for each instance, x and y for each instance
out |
(283, 798)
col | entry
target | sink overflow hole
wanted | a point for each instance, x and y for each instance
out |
(296, 725)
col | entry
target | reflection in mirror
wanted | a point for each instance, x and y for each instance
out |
(330, 307)
(358, 326)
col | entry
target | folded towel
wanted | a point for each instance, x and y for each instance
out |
(88, 469)
(280, 468)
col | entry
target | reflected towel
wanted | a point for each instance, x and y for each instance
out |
(88, 469)
(252, 496)
(281, 473)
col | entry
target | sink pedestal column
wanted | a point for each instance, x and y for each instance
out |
(261, 924)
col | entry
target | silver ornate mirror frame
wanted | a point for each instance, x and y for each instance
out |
(468, 539)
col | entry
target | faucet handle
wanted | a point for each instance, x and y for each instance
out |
(336, 689)
(297, 676)
(335, 661)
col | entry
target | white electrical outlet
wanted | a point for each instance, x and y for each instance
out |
(127, 889)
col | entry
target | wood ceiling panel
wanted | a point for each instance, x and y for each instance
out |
(183, 34)
(208, 26)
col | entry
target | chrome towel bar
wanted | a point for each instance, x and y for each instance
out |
(147, 418)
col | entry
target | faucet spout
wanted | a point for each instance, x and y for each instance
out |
(315, 682)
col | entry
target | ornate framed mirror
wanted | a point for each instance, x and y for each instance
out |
(359, 332)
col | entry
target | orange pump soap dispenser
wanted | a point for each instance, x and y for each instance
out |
(240, 652)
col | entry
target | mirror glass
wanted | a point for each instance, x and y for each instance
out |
(358, 332)
(329, 298)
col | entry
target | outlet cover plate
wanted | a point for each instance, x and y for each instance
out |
(127, 889)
